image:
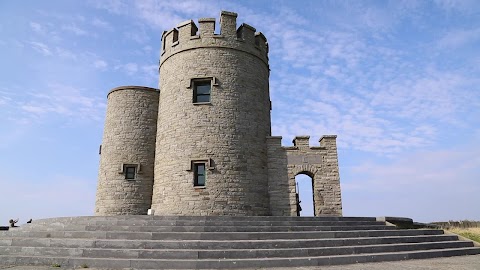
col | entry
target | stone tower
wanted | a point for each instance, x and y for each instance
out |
(213, 121)
(202, 145)
(125, 176)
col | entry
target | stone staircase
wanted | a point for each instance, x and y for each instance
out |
(221, 242)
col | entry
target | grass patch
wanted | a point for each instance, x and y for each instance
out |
(470, 233)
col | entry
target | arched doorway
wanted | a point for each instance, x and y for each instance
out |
(304, 188)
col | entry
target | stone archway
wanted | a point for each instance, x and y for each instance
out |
(311, 171)
(304, 190)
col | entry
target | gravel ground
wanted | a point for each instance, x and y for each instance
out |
(471, 262)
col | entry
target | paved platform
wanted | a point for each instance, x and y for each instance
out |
(471, 262)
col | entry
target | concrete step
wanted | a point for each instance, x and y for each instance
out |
(222, 244)
(199, 228)
(215, 253)
(234, 263)
(217, 235)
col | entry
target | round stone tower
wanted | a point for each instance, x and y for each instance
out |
(213, 120)
(127, 153)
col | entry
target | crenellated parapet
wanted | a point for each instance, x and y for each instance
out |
(318, 162)
(187, 36)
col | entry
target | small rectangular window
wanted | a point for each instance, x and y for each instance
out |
(201, 91)
(130, 172)
(199, 174)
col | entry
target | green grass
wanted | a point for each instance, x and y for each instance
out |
(470, 233)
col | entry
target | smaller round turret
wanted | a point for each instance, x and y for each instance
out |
(125, 178)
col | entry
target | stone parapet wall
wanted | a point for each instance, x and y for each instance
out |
(186, 36)
(321, 164)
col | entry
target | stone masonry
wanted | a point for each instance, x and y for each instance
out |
(164, 133)
(128, 139)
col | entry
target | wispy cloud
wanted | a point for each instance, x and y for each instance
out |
(161, 14)
(112, 6)
(100, 64)
(37, 28)
(457, 38)
(40, 47)
(138, 35)
(72, 28)
(99, 23)
(65, 54)
(4, 99)
(129, 68)
(462, 6)
(65, 101)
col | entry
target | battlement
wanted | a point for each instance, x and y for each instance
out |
(187, 36)
(303, 142)
(327, 142)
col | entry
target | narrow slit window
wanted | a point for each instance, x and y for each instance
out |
(199, 174)
(201, 91)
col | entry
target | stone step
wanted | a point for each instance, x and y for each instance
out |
(214, 253)
(233, 263)
(206, 228)
(222, 244)
(140, 218)
(216, 235)
(101, 222)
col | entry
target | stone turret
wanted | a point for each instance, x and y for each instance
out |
(213, 120)
(127, 153)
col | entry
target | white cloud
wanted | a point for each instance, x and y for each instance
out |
(150, 72)
(65, 54)
(147, 49)
(457, 38)
(129, 68)
(102, 24)
(373, 96)
(167, 13)
(112, 6)
(161, 14)
(390, 118)
(462, 6)
(137, 35)
(63, 100)
(4, 100)
(41, 48)
(72, 28)
(100, 64)
(37, 28)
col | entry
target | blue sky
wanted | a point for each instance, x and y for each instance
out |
(397, 81)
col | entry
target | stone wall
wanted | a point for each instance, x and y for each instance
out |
(229, 132)
(280, 189)
(320, 163)
(128, 138)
